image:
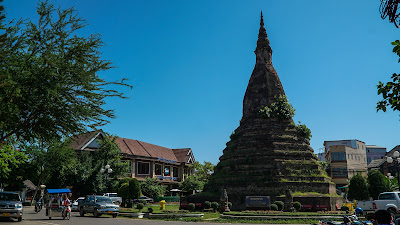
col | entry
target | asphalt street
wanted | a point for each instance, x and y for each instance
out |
(32, 218)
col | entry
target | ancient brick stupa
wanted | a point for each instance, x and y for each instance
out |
(266, 156)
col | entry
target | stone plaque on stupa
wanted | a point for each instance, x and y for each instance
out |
(266, 155)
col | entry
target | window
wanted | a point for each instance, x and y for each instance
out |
(351, 156)
(388, 196)
(176, 173)
(348, 156)
(167, 171)
(338, 156)
(339, 172)
(158, 169)
(143, 168)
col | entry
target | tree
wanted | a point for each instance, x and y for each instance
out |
(191, 184)
(49, 78)
(130, 189)
(391, 90)
(378, 183)
(151, 188)
(203, 171)
(358, 189)
(11, 160)
(92, 180)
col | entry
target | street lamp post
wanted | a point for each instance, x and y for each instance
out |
(396, 161)
(107, 170)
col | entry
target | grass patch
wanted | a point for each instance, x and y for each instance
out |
(271, 221)
(274, 213)
(169, 208)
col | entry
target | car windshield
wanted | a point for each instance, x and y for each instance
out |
(103, 199)
(80, 200)
(9, 197)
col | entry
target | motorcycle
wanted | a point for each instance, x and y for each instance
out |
(67, 212)
(38, 206)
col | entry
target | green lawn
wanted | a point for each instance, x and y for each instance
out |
(214, 217)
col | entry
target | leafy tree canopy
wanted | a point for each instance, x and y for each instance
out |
(378, 183)
(391, 90)
(202, 171)
(191, 183)
(280, 109)
(151, 188)
(49, 77)
(358, 189)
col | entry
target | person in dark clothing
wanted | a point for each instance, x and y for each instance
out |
(383, 217)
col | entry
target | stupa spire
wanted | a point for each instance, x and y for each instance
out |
(264, 84)
(262, 42)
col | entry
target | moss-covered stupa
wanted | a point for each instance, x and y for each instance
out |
(266, 155)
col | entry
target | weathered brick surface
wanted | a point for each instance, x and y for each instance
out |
(265, 156)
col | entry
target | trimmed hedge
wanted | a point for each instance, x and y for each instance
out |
(191, 206)
(280, 205)
(167, 198)
(274, 207)
(297, 206)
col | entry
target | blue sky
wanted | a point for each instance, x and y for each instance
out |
(190, 61)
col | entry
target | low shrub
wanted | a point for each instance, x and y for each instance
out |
(143, 201)
(230, 204)
(280, 205)
(139, 206)
(297, 206)
(167, 198)
(191, 206)
(344, 208)
(215, 206)
(150, 210)
(207, 205)
(129, 205)
(274, 207)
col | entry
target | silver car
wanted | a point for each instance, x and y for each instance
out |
(10, 205)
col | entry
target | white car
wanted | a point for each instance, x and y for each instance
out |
(74, 206)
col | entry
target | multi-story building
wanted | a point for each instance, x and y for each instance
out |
(375, 152)
(346, 158)
(169, 166)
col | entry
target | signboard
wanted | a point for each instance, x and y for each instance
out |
(258, 202)
(167, 178)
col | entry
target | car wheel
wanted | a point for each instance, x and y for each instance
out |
(81, 212)
(19, 219)
(392, 212)
(95, 213)
(115, 215)
(118, 203)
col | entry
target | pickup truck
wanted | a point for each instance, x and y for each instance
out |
(98, 205)
(114, 198)
(10, 205)
(389, 201)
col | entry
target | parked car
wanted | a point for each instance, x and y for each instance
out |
(117, 200)
(11, 205)
(389, 201)
(148, 200)
(74, 206)
(98, 205)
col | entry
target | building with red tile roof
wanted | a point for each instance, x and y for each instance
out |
(169, 166)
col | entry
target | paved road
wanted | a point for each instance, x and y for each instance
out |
(32, 218)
